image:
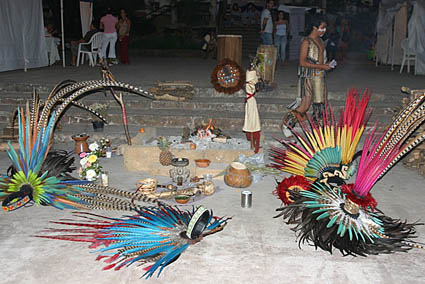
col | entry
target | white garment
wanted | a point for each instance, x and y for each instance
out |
(252, 118)
(52, 49)
(110, 39)
(269, 26)
(281, 29)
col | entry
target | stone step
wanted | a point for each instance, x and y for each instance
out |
(176, 118)
(228, 111)
(265, 105)
(8, 96)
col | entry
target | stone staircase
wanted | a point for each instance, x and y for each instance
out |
(228, 111)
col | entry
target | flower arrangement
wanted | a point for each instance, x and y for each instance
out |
(102, 109)
(90, 166)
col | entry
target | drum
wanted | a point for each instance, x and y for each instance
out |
(238, 175)
(267, 55)
(229, 46)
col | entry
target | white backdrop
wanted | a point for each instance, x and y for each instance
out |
(22, 43)
(86, 15)
(416, 35)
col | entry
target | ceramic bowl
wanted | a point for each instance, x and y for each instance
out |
(202, 163)
(182, 199)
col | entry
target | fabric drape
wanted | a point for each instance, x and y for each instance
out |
(22, 43)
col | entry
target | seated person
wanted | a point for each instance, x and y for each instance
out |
(210, 44)
(52, 42)
(50, 31)
(75, 43)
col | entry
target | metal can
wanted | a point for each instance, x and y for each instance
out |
(246, 199)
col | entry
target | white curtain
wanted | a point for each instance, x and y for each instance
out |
(22, 41)
(416, 35)
(86, 12)
(385, 45)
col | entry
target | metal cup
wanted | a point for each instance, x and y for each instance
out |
(246, 199)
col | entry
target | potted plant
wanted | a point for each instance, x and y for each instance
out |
(102, 109)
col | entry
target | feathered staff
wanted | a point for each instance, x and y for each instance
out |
(158, 235)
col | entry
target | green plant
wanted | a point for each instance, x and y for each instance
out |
(102, 109)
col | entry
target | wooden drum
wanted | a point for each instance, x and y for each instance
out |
(267, 55)
(238, 175)
(230, 46)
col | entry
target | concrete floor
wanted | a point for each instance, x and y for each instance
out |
(254, 247)
(146, 71)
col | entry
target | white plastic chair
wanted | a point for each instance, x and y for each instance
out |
(92, 49)
(407, 56)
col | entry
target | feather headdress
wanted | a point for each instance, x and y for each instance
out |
(28, 183)
(30, 178)
(381, 153)
(158, 235)
(345, 216)
(328, 145)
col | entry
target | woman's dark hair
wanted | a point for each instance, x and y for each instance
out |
(278, 13)
(315, 21)
(107, 11)
(94, 23)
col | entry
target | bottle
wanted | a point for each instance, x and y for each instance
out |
(108, 152)
(105, 178)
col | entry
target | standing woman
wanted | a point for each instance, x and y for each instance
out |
(108, 24)
(124, 26)
(281, 35)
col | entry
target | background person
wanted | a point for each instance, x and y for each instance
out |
(267, 24)
(108, 23)
(75, 43)
(124, 26)
(281, 35)
(333, 41)
(312, 87)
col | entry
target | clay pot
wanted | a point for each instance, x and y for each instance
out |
(238, 175)
(81, 143)
(202, 163)
(193, 146)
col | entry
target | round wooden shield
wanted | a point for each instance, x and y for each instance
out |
(228, 77)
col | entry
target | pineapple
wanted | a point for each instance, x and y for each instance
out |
(165, 156)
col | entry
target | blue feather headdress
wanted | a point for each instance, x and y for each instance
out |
(157, 235)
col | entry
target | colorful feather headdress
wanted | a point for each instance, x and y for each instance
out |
(327, 145)
(381, 153)
(158, 235)
(28, 183)
(36, 125)
(345, 216)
